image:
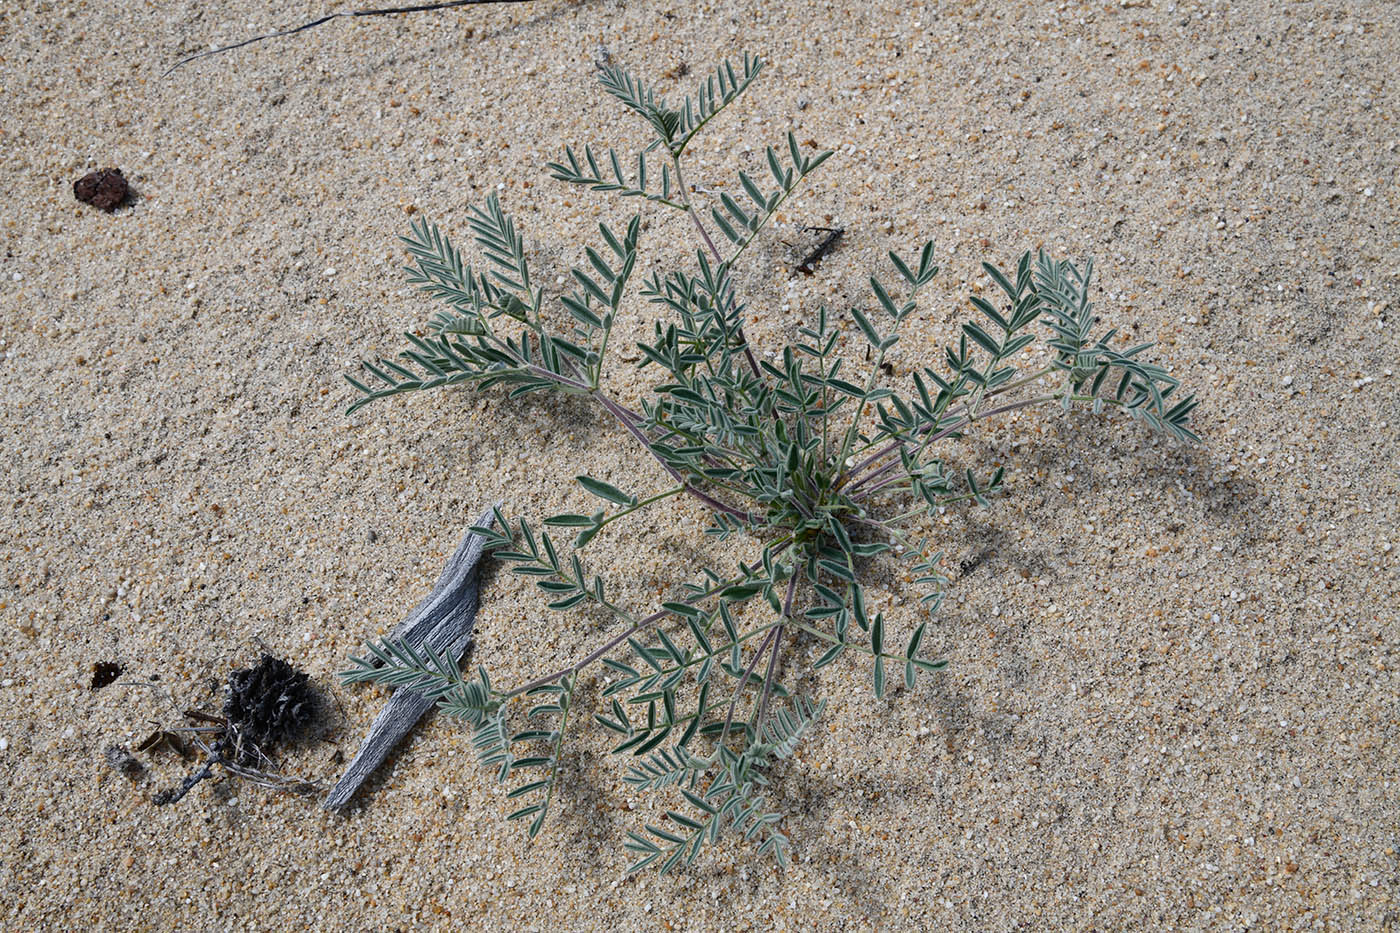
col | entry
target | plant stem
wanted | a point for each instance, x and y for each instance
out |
(559, 742)
(854, 429)
(773, 657)
(636, 627)
(942, 433)
(749, 635)
(560, 378)
(832, 639)
(629, 421)
(875, 474)
(641, 503)
(962, 410)
(739, 687)
(690, 209)
(714, 251)
(762, 709)
(612, 643)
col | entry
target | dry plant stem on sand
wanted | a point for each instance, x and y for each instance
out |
(816, 474)
(381, 11)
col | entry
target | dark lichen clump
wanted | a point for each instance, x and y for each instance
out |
(266, 704)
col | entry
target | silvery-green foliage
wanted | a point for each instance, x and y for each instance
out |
(806, 460)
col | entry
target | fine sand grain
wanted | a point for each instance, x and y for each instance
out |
(1172, 699)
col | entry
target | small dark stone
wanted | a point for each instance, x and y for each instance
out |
(104, 189)
(104, 672)
(123, 761)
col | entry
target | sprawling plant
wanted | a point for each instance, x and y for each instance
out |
(815, 469)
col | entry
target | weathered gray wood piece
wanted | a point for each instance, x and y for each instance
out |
(442, 620)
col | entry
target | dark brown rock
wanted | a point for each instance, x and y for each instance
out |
(104, 189)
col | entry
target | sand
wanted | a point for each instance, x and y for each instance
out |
(1171, 701)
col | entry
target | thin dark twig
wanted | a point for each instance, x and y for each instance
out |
(176, 794)
(809, 265)
(386, 11)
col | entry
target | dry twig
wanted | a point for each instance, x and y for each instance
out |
(386, 11)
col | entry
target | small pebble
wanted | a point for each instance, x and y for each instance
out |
(105, 189)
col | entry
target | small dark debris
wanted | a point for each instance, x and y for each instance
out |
(808, 266)
(162, 739)
(177, 793)
(268, 704)
(973, 561)
(195, 715)
(105, 189)
(104, 673)
(123, 761)
(888, 368)
(372, 536)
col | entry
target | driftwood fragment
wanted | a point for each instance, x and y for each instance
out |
(443, 621)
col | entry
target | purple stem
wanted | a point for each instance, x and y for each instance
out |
(714, 250)
(748, 672)
(648, 622)
(895, 445)
(874, 475)
(629, 421)
(870, 491)
(773, 658)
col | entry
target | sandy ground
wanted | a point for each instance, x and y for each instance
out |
(1172, 696)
